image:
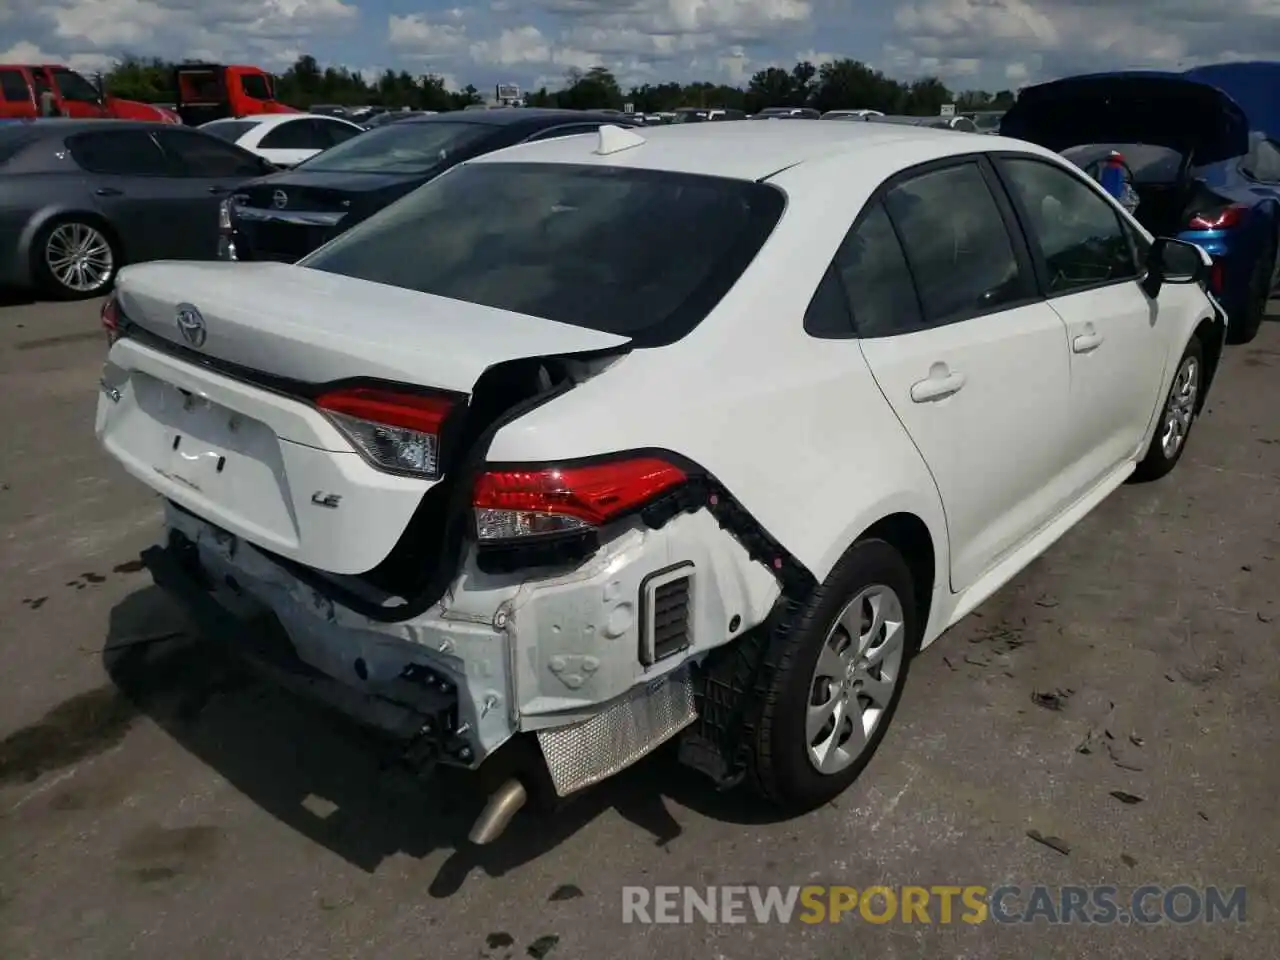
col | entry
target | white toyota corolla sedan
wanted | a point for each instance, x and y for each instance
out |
(699, 431)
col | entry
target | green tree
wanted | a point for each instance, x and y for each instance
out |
(841, 84)
(770, 87)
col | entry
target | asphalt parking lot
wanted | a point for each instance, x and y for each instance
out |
(155, 802)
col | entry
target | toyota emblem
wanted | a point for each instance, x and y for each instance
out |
(191, 325)
(279, 199)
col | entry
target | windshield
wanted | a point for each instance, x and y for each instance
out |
(228, 130)
(402, 148)
(72, 86)
(988, 121)
(690, 116)
(256, 85)
(641, 253)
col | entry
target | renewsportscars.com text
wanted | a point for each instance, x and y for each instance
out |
(942, 904)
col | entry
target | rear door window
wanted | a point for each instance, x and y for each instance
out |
(641, 253)
(333, 132)
(228, 131)
(876, 279)
(13, 86)
(128, 153)
(957, 245)
(199, 155)
(300, 134)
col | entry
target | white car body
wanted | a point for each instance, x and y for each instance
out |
(303, 131)
(862, 114)
(815, 440)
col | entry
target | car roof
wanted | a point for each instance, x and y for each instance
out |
(755, 151)
(512, 115)
(275, 119)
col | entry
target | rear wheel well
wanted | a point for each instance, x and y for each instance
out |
(88, 218)
(909, 535)
(1209, 333)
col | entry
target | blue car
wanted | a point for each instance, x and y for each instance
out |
(1195, 165)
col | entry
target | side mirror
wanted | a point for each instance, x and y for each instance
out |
(1175, 261)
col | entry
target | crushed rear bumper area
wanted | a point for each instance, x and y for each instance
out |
(538, 680)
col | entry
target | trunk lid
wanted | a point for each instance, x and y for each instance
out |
(251, 454)
(1163, 109)
(316, 327)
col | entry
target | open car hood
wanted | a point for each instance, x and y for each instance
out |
(1163, 109)
(1254, 86)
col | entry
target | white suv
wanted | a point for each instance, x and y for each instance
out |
(701, 430)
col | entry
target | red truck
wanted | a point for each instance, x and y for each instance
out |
(214, 91)
(22, 89)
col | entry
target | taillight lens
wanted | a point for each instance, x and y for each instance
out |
(1222, 219)
(111, 319)
(397, 432)
(515, 504)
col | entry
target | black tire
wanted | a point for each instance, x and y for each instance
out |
(1158, 461)
(783, 772)
(1259, 295)
(48, 283)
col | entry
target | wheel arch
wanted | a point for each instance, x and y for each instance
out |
(52, 215)
(915, 525)
(1211, 332)
(911, 537)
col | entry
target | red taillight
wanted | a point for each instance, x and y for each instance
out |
(1222, 219)
(111, 319)
(1216, 277)
(398, 432)
(510, 504)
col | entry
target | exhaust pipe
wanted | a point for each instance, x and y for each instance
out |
(504, 803)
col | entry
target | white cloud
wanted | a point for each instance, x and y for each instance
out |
(991, 43)
(26, 52)
(419, 37)
(1027, 40)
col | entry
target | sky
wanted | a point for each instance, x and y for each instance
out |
(971, 44)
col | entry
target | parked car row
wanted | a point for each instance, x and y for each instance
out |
(1176, 148)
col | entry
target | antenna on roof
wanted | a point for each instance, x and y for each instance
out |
(615, 139)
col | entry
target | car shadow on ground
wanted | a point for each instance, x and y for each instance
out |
(14, 297)
(338, 785)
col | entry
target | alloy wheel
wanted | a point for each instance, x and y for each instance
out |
(1181, 407)
(79, 257)
(858, 671)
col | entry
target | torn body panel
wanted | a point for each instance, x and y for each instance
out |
(525, 653)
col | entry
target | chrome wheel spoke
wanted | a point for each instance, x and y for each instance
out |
(831, 662)
(878, 690)
(854, 679)
(79, 257)
(1180, 410)
(821, 715)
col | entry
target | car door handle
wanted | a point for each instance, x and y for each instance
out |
(219, 190)
(940, 383)
(1086, 342)
(109, 192)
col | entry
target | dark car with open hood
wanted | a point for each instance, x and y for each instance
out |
(284, 216)
(1197, 162)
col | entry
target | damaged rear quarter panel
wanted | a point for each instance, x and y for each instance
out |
(575, 638)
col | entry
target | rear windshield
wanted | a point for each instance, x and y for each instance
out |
(404, 148)
(641, 253)
(228, 130)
